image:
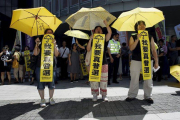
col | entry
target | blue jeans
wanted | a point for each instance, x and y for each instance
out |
(41, 85)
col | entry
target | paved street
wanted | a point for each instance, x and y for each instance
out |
(73, 101)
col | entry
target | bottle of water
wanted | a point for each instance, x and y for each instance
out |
(5, 63)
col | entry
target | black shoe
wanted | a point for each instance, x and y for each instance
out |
(149, 100)
(16, 82)
(31, 83)
(71, 81)
(56, 82)
(129, 99)
(115, 82)
(109, 83)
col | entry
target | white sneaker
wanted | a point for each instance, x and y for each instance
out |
(94, 98)
(104, 98)
(43, 103)
(51, 101)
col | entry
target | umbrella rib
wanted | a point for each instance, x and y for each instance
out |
(30, 13)
(21, 19)
(32, 26)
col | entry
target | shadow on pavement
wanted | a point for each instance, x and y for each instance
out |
(10, 111)
(88, 109)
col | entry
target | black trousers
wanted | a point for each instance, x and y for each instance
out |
(64, 66)
(113, 67)
(159, 72)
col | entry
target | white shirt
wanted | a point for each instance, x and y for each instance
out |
(115, 42)
(66, 53)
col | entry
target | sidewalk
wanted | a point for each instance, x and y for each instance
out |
(73, 101)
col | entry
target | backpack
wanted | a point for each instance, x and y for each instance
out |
(21, 59)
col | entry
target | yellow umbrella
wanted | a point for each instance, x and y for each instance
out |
(77, 34)
(34, 21)
(89, 18)
(175, 71)
(127, 20)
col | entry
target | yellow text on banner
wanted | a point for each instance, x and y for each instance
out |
(175, 71)
(83, 66)
(145, 54)
(96, 57)
(47, 55)
(27, 60)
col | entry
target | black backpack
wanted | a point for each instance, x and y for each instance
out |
(21, 59)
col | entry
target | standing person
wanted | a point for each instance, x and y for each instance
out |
(136, 65)
(64, 52)
(173, 51)
(114, 54)
(74, 62)
(41, 85)
(5, 60)
(16, 57)
(24, 69)
(104, 74)
(125, 59)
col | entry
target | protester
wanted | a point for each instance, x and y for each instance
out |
(104, 74)
(64, 52)
(41, 85)
(16, 65)
(114, 54)
(74, 62)
(5, 59)
(136, 65)
(125, 59)
(24, 69)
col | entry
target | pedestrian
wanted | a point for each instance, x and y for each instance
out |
(64, 52)
(125, 59)
(74, 63)
(104, 74)
(41, 85)
(136, 65)
(114, 54)
(5, 59)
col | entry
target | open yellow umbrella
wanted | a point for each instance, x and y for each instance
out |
(34, 21)
(175, 71)
(127, 20)
(88, 18)
(77, 34)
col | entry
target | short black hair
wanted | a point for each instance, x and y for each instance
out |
(161, 40)
(97, 27)
(47, 30)
(27, 47)
(73, 45)
(172, 36)
(136, 25)
(124, 44)
(17, 48)
(114, 34)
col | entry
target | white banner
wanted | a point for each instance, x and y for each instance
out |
(177, 30)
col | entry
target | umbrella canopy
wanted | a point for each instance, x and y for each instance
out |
(77, 34)
(175, 71)
(89, 18)
(127, 20)
(34, 21)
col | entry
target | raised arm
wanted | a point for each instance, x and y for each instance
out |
(82, 47)
(36, 50)
(89, 43)
(108, 35)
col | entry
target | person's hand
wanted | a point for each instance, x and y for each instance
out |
(105, 22)
(138, 36)
(77, 41)
(1, 53)
(54, 41)
(118, 55)
(156, 65)
(112, 60)
(70, 63)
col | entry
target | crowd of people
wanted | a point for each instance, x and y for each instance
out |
(117, 58)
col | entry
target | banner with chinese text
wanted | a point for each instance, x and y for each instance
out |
(97, 57)
(47, 55)
(145, 54)
(161, 31)
(83, 66)
(27, 60)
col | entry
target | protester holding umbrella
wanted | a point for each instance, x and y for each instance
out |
(104, 74)
(136, 65)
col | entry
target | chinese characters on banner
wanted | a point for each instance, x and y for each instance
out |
(145, 54)
(47, 55)
(27, 60)
(83, 66)
(97, 57)
(175, 71)
(161, 31)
